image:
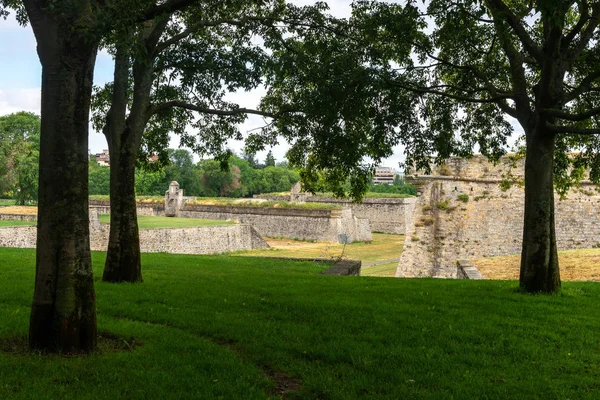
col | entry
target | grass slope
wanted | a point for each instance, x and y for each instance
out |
(170, 222)
(16, 223)
(575, 265)
(383, 247)
(224, 326)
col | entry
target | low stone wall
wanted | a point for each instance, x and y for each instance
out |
(387, 215)
(143, 209)
(196, 240)
(18, 236)
(18, 217)
(344, 268)
(466, 270)
(303, 224)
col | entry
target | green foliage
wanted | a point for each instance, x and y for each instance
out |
(443, 205)
(270, 160)
(463, 197)
(19, 156)
(398, 187)
(505, 184)
(99, 178)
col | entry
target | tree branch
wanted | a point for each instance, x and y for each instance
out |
(572, 129)
(501, 10)
(167, 7)
(584, 86)
(583, 18)
(572, 117)
(156, 108)
(587, 34)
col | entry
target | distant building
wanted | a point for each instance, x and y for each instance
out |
(103, 158)
(384, 176)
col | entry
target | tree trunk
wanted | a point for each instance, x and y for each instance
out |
(63, 315)
(123, 260)
(124, 135)
(539, 257)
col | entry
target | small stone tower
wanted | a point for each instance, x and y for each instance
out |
(173, 199)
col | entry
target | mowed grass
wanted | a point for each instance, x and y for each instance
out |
(170, 222)
(7, 202)
(575, 265)
(233, 327)
(16, 223)
(383, 247)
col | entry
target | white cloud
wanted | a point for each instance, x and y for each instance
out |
(14, 100)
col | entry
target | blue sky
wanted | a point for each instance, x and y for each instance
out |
(20, 76)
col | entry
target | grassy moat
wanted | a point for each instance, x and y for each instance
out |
(255, 328)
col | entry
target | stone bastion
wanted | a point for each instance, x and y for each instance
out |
(193, 240)
(473, 208)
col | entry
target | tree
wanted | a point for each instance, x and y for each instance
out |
(181, 66)
(63, 315)
(270, 160)
(172, 72)
(479, 62)
(19, 156)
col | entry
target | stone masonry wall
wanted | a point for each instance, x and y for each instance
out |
(490, 223)
(18, 217)
(303, 224)
(387, 215)
(143, 209)
(197, 240)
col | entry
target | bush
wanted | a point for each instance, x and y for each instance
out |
(463, 197)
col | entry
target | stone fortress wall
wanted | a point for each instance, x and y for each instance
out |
(386, 215)
(193, 240)
(445, 229)
(294, 223)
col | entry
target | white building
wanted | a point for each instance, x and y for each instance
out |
(384, 176)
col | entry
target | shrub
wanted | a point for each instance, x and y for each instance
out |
(463, 197)
(443, 205)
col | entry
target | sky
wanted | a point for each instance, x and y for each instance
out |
(20, 76)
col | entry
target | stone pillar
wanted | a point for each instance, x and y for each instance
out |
(173, 199)
(94, 218)
(296, 193)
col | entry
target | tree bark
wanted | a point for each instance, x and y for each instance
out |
(63, 315)
(539, 257)
(123, 260)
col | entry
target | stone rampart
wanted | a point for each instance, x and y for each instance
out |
(143, 209)
(18, 217)
(458, 217)
(195, 240)
(295, 223)
(386, 215)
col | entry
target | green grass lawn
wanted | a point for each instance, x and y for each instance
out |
(170, 222)
(16, 223)
(231, 327)
(7, 202)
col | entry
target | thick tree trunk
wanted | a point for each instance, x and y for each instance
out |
(539, 258)
(123, 260)
(63, 315)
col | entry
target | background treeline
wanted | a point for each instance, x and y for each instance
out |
(244, 178)
(398, 187)
(19, 157)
